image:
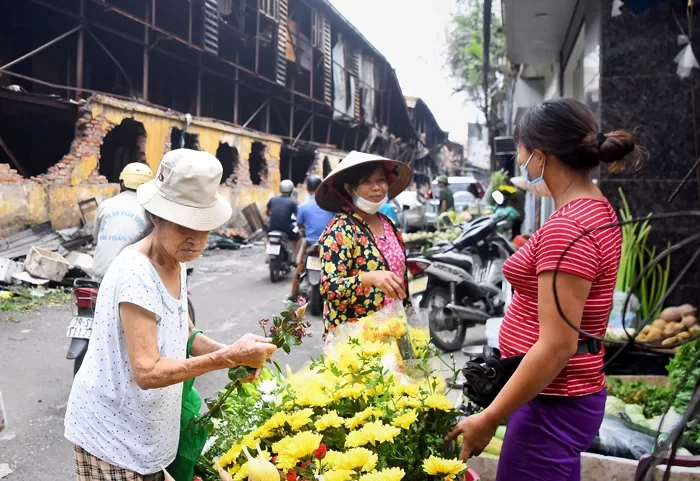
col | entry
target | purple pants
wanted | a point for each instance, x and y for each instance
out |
(545, 438)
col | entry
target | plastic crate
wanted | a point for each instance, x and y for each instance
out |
(46, 264)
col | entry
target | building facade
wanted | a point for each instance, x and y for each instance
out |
(275, 89)
(621, 64)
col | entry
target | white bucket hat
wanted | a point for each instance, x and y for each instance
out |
(185, 191)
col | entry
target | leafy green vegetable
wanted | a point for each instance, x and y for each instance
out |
(652, 398)
(680, 363)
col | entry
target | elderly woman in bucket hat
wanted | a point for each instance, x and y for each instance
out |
(123, 414)
(362, 251)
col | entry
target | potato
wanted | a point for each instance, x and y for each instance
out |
(655, 333)
(689, 321)
(669, 341)
(687, 310)
(670, 328)
(659, 323)
(671, 314)
(682, 336)
(642, 337)
(646, 330)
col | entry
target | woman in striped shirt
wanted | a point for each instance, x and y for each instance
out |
(555, 400)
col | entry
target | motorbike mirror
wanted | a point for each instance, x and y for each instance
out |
(406, 207)
(497, 195)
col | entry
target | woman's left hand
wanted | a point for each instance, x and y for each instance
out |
(477, 431)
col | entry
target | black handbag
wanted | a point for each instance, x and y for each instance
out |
(485, 376)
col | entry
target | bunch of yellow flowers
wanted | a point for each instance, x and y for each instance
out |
(353, 416)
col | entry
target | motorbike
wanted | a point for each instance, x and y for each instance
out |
(280, 249)
(310, 284)
(461, 284)
(84, 300)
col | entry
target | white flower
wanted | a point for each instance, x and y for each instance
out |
(210, 442)
(268, 386)
(217, 423)
(270, 398)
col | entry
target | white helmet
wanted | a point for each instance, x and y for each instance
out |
(286, 186)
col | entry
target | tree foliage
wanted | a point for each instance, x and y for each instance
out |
(466, 55)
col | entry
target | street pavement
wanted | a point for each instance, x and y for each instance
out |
(231, 292)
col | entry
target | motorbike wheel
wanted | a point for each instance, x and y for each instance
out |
(274, 270)
(77, 363)
(435, 300)
(190, 310)
(315, 301)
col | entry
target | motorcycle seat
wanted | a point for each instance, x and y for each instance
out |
(455, 259)
(277, 233)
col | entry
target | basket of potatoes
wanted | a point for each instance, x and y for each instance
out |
(674, 325)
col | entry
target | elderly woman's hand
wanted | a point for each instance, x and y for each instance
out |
(249, 350)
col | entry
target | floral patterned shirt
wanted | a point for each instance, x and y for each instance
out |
(346, 251)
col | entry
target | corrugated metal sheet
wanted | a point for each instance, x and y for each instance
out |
(42, 236)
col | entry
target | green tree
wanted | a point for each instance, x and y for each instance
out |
(482, 78)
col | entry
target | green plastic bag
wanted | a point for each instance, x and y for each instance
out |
(192, 436)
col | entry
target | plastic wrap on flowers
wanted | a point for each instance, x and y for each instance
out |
(355, 414)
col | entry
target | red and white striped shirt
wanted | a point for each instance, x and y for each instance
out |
(594, 256)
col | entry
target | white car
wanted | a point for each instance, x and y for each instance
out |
(462, 188)
(412, 206)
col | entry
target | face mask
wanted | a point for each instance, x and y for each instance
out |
(369, 207)
(537, 186)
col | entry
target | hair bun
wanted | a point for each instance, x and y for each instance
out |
(620, 149)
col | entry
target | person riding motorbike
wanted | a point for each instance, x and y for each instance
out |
(312, 220)
(119, 219)
(280, 211)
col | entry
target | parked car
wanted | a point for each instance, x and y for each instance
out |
(411, 212)
(467, 190)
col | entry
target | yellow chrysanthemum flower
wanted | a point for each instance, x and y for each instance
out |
(333, 459)
(299, 446)
(338, 475)
(329, 420)
(449, 468)
(352, 392)
(389, 474)
(358, 459)
(439, 401)
(406, 419)
(230, 456)
(359, 418)
(405, 402)
(242, 473)
(285, 463)
(299, 419)
(276, 421)
(371, 433)
(249, 441)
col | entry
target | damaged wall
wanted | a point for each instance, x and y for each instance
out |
(29, 204)
(55, 194)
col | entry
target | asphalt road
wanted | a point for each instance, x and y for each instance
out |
(231, 291)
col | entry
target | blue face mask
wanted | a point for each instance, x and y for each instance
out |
(537, 186)
(526, 173)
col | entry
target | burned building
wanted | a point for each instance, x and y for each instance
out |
(434, 153)
(275, 89)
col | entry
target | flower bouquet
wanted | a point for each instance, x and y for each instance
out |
(354, 414)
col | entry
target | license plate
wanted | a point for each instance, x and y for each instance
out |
(273, 249)
(80, 328)
(416, 286)
(313, 263)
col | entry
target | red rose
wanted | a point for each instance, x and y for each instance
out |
(291, 475)
(320, 453)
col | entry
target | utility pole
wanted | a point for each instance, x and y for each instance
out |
(485, 76)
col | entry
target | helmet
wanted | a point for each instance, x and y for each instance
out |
(313, 182)
(286, 186)
(135, 174)
(443, 179)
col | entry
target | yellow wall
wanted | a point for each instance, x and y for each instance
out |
(24, 205)
(158, 127)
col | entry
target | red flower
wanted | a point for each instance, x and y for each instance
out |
(196, 478)
(320, 453)
(291, 475)
(339, 237)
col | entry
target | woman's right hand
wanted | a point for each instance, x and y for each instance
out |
(249, 350)
(386, 281)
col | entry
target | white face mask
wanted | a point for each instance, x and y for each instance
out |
(369, 207)
(537, 186)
